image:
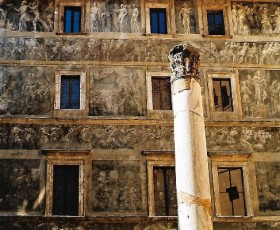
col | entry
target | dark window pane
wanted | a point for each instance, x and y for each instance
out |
(72, 19)
(66, 190)
(158, 20)
(231, 188)
(70, 92)
(161, 93)
(215, 21)
(222, 95)
(165, 191)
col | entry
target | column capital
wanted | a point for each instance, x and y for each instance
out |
(184, 63)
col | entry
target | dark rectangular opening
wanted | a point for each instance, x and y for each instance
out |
(65, 190)
(222, 95)
(158, 20)
(70, 92)
(215, 21)
(72, 19)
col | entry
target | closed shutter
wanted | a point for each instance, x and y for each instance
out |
(66, 190)
(70, 92)
(72, 19)
(165, 191)
(161, 93)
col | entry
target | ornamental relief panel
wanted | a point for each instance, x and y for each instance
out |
(13, 136)
(31, 15)
(260, 93)
(246, 138)
(25, 90)
(255, 18)
(115, 16)
(185, 17)
(268, 176)
(72, 49)
(117, 91)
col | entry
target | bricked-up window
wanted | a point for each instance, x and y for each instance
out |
(231, 189)
(161, 93)
(215, 21)
(158, 20)
(165, 191)
(65, 190)
(72, 19)
(70, 92)
(222, 95)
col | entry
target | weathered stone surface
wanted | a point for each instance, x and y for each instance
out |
(117, 187)
(246, 138)
(25, 90)
(260, 93)
(27, 15)
(100, 136)
(268, 176)
(20, 185)
(117, 91)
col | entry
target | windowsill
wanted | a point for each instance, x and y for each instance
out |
(207, 36)
(82, 33)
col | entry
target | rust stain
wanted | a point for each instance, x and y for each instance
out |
(190, 199)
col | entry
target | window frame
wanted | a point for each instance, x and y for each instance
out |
(72, 19)
(208, 23)
(83, 17)
(230, 161)
(234, 93)
(65, 158)
(58, 76)
(156, 158)
(149, 6)
(149, 76)
(205, 20)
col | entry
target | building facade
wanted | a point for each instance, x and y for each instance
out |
(86, 122)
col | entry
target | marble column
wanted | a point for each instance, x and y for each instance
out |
(192, 175)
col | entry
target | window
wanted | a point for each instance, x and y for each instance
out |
(215, 20)
(65, 190)
(72, 19)
(230, 183)
(70, 92)
(231, 191)
(222, 94)
(158, 20)
(65, 182)
(165, 191)
(161, 93)
(161, 182)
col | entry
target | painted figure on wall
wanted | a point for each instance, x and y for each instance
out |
(185, 18)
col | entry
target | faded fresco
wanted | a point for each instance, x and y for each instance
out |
(25, 90)
(185, 17)
(85, 49)
(117, 91)
(116, 186)
(115, 16)
(20, 185)
(27, 15)
(13, 136)
(252, 139)
(256, 18)
(268, 178)
(88, 49)
(260, 93)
